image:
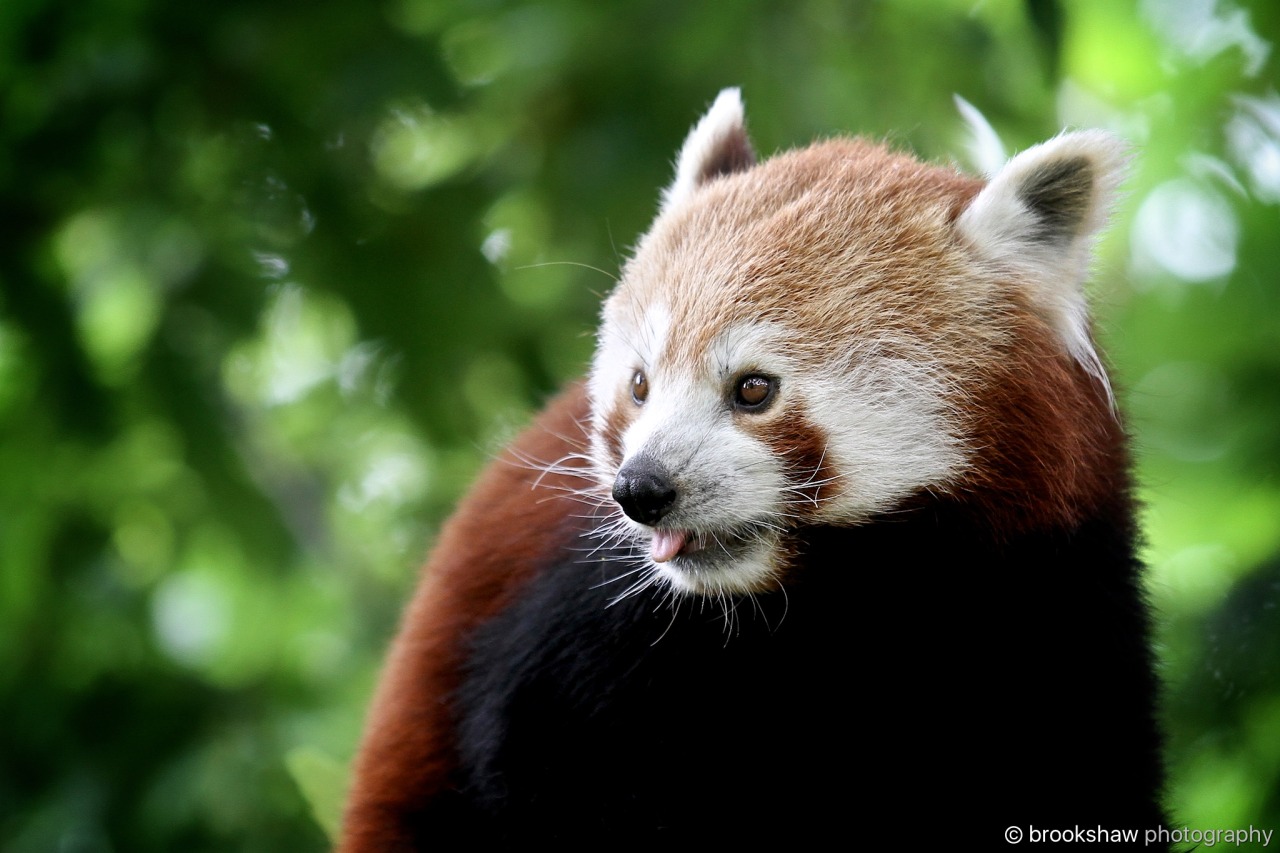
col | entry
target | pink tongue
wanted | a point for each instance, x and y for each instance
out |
(666, 544)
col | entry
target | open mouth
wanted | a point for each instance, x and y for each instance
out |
(668, 544)
(740, 559)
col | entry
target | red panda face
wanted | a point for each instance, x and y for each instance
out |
(821, 337)
(739, 439)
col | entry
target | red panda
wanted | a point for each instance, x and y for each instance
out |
(836, 540)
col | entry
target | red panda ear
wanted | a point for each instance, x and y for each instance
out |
(717, 145)
(1039, 218)
(1051, 199)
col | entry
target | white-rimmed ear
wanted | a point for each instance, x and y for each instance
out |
(717, 145)
(1040, 216)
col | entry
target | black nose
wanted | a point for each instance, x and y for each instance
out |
(644, 490)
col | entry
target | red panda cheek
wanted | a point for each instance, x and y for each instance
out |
(801, 445)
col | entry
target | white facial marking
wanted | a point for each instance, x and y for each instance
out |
(625, 344)
(888, 433)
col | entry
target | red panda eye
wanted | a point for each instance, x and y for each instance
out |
(753, 392)
(639, 387)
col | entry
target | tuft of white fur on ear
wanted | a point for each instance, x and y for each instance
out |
(717, 145)
(1040, 216)
(986, 151)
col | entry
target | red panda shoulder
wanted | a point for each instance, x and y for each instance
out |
(516, 517)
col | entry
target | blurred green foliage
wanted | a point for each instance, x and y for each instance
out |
(276, 278)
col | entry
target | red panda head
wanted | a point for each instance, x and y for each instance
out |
(840, 332)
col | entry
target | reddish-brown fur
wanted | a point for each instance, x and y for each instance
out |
(769, 232)
(485, 553)
(1051, 451)
(803, 445)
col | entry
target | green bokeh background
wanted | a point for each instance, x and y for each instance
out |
(277, 277)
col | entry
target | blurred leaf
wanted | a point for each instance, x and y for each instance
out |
(323, 782)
